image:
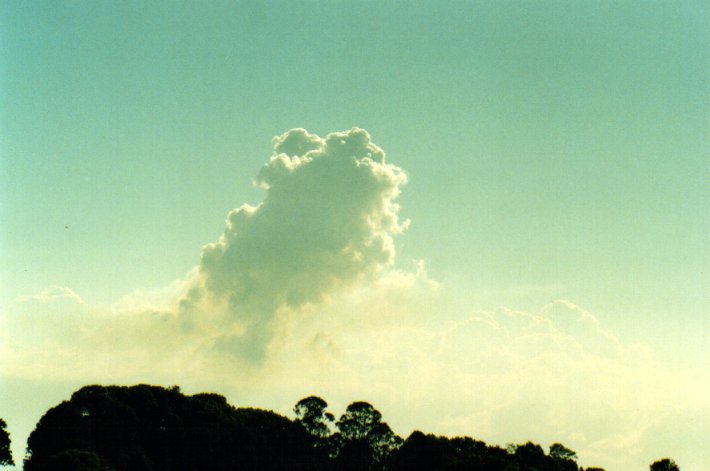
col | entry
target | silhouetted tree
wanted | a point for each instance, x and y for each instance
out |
(665, 464)
(148, 428)
(311, 414)
(532, 457)
(421, 452)
(428, 452)
(564, 457)
(559, 451)
(5, 451)
(364, 441)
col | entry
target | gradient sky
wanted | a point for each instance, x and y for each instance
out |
(554, 151)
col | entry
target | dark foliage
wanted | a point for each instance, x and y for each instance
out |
(364, 442)
(665, 464)
(146, 428)
(5, 452)
(428, 452)
(563, 457)
(75, 460)
(311, 414)
(149, 428)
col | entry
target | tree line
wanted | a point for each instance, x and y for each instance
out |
(151, 428)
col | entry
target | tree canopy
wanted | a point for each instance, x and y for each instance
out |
(5, 451)
(561, 452)
(150, 428)
(311, 414)
(665, 464)
(364, 441)
(146, 428)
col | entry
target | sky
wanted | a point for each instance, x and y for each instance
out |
(492, 213)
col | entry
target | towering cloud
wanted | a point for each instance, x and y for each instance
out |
(327, 221)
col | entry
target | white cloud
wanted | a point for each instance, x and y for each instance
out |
(327, 221)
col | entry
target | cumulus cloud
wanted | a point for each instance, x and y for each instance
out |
(327, 221)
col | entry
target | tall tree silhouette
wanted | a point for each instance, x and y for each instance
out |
(5, 452)
(311, 414)
(665, 464)
(364, 441)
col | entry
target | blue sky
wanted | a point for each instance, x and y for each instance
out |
(553, 150)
